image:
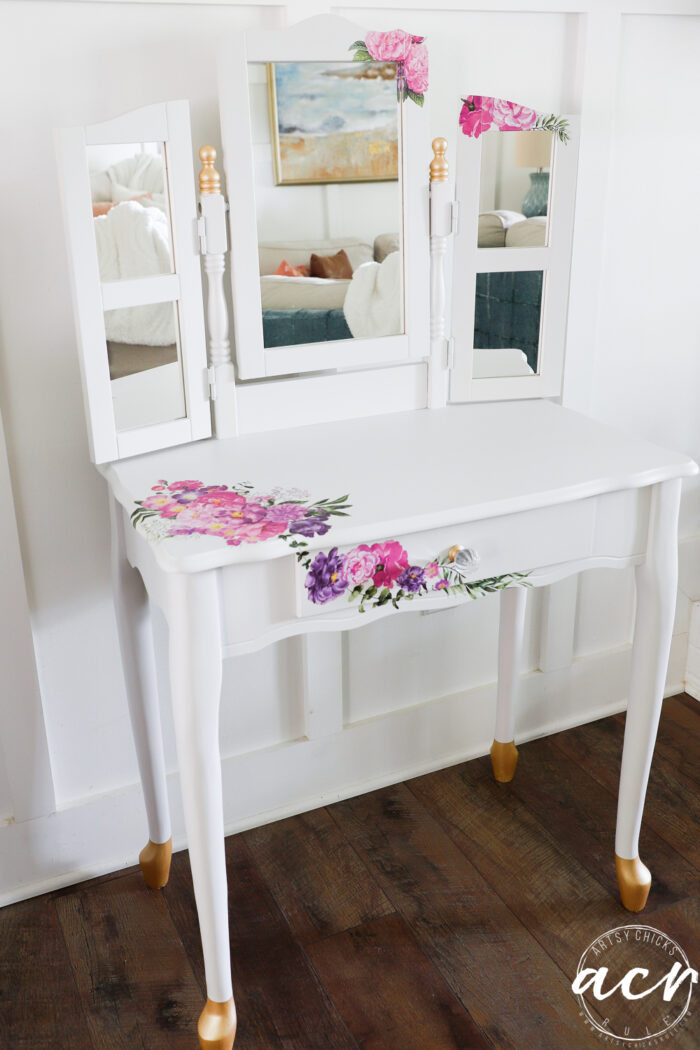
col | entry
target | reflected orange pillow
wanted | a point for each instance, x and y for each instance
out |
(286, 269)
(101, 208)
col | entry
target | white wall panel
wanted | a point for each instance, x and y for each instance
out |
(77, 63)
(647, 377)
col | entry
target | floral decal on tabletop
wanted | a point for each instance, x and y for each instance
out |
(236, 513)
(408, 52)
(481, 112)
(381, 573)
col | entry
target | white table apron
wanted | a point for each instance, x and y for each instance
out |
(534, 489)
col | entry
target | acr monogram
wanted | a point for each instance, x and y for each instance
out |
(634, 985)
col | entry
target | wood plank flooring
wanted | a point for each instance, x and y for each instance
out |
(445, 913)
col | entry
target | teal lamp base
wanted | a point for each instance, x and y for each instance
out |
(535, 202)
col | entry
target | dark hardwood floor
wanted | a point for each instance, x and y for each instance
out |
(445, 912)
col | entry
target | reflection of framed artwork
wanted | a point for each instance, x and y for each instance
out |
(333, 121)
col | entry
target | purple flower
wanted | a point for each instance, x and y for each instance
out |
(324, 580)
(411, 579)
(186, 496)
(312, 526)
(285, 512)
(442, 585)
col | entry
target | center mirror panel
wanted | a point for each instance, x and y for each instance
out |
(326, 140)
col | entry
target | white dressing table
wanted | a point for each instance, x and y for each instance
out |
(530, 487)
(326, 526)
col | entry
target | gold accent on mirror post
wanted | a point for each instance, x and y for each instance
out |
(454, 551)
(209, 178)
(634, 882)
(439, 167)
(155, 863)
(217, 1025)
(504, 759)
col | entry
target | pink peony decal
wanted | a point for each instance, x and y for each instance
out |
(408, 52)
(477, 115)
(509, 116)
(393, 46)
(381, 574)
(185, 486)
(360, 565)
(392, 560)
(376, 574)
(480, 112)
(416, 69)
(236, 514)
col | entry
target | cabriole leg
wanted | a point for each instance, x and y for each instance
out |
(138, 660)
(195, 682)
(504, 754)
(657, 582)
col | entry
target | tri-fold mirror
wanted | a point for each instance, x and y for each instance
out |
(326, 152)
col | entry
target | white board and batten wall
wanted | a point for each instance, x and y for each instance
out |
(631, 360)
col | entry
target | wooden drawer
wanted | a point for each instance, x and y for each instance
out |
(513, 543)
(266, 598)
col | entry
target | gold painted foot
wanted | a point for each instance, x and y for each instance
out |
(634, 881)
(217, 1026)
(504, 759)
(155, 863)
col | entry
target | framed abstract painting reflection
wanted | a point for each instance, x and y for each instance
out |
(333, 121)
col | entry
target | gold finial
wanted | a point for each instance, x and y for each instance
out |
(209, 178)
(438, 165)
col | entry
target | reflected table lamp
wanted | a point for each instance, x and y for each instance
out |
(533, 149)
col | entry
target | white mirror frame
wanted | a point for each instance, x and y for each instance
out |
(554, 259)
(169, 123)
(324, 38)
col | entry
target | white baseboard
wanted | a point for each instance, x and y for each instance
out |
(104, 833)
(692, 685)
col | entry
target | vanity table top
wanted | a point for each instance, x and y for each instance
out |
(401, 472)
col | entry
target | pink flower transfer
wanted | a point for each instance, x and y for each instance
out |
(480, 112)
(408, 52)
(393, 46)
(509, 116)
(185, 486)
(378, 575)
(477, 115)
(416, 69)
(392, 560)
(236, 514)
(360, 565)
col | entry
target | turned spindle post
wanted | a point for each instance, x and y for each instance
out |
(440, 231)
(214, 246)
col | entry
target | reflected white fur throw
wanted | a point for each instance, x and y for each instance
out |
(373, 302)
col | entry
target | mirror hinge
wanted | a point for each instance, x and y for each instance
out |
(202, 234)
(211, 376)
(450, 354)
(454, 215)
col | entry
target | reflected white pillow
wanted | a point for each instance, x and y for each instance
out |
(302, 293)
(492, 233)
(530, 233)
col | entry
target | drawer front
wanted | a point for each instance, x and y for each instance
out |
(379, 572)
